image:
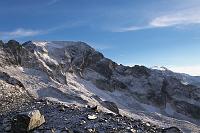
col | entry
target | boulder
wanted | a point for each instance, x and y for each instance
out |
(111, 106)
(25, 122)
(171, 130)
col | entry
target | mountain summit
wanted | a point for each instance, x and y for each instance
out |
(70, 72)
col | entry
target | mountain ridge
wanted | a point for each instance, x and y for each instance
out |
(77, 73)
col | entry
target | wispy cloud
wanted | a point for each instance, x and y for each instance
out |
(179, 18)
(52, 2)
(20, 32)
(131, 28)
(171, 19)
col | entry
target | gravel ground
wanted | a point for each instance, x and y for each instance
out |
(66, 118)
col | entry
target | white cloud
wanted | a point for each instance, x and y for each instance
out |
(192, 70)
(19, 33)
(177, 18)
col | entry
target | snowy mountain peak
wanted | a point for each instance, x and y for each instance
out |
(57, 44)
(161, 68)
(74, 72)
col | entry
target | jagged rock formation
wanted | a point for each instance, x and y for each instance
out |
(74, 72)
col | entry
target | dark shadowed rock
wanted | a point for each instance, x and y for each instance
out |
(6, 77)
(29, 46)
(171, 130)
(14, 48)
(116, 84)
(111, 106)
(110, 85)
(188, 109)
(95, 108)
(105, 67)
(137, 71)
(1, 43)
(103, 84)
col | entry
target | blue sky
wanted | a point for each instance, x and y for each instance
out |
(146, 32)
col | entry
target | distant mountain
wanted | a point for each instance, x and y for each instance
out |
(184, 78)
(75, 73)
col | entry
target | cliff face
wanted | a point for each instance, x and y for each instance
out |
(74, 72)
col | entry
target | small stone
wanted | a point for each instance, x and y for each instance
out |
(61, 107)
(92, 117)
(110, 114)
(128, 128)
(148, 124)
(133, 130)
(118, 115)
(52, 130)
(82, 122)
(94, 108)
(66, 130)
(139, 131)
(91, 130)
(48, 103)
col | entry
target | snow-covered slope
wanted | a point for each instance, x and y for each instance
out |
(74, 72)
(184, 78)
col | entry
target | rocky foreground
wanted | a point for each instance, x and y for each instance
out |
(60, 118)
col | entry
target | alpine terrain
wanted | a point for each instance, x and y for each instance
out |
(65, 86)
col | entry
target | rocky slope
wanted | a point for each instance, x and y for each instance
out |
(73, 119)
(74, 73)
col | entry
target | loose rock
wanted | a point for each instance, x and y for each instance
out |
(92, 117)
(171, 130)
(111, 106)
(27, 121)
